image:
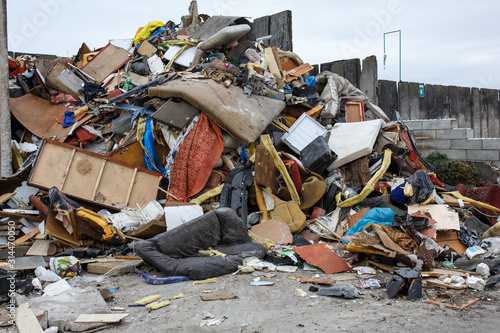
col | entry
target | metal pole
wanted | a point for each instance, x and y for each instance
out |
(5, 126)
(390, 32)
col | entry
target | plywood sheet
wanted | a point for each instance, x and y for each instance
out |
(39, 248)
(42, 118)
(93, 177)
(26, 321)
(107, 61)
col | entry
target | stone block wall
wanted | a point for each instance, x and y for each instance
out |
(444, 136)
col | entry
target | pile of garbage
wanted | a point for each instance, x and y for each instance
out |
(195, 152)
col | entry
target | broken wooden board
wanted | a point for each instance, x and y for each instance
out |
(439, 283)
(298, 71)
(32, 262)
(454, 306)
(6, 197)
(312, 279)
(93, 177)
(218, 297)
(26, 321)
(450, 238)
(27, 236)
(39, 248)
(146, 49)
(107, 318)
(107, 61)
(437, 272)
(118, 266)
(321, 256)
(56, 229)
(274, 66)
(149, 230)
(43, 118)
(452, 201)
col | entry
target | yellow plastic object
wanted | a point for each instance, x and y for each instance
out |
(148, 299)
(457, 195)
(157, 305)
(212, 280)
(185, 44)
(266, 141)
(370, 186)
(267, 243)
(207, 195)
(108, 230)
(145, 32)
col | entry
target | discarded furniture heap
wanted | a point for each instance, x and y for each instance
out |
(191, 138)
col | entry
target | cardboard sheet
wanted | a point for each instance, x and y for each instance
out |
(107, 61)
(42, 118)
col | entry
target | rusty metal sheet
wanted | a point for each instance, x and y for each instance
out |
(41, 117)
(321, 256)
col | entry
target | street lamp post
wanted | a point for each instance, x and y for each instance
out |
(385, 56)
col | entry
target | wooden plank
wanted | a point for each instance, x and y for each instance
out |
(26, 321)
(104, 267)
(476, 112)
(298, 71)
(67, 170)
(132, 180)
(25, 263)
(99, 176)
(453, 306)
(439, 283)
(5, 197)
(39, 248)
(414, 101)
(274, 66)
(107, 61)
(464, 108)
(27, 236)
(101, 318)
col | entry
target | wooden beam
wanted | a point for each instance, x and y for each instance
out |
(27, 236)
(26, 321)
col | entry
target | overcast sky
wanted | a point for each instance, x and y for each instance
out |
(443, 42)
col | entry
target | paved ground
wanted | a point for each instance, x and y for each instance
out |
(277, 309)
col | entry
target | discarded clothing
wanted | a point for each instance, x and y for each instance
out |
(195, 159)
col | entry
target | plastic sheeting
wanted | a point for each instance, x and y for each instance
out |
(335, 89)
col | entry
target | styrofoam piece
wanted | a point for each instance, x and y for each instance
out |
(177, 215)
(302, 133)
(351, 141)
(185, 58)
(155, 64)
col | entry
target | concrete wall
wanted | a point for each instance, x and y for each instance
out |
(444, 136)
